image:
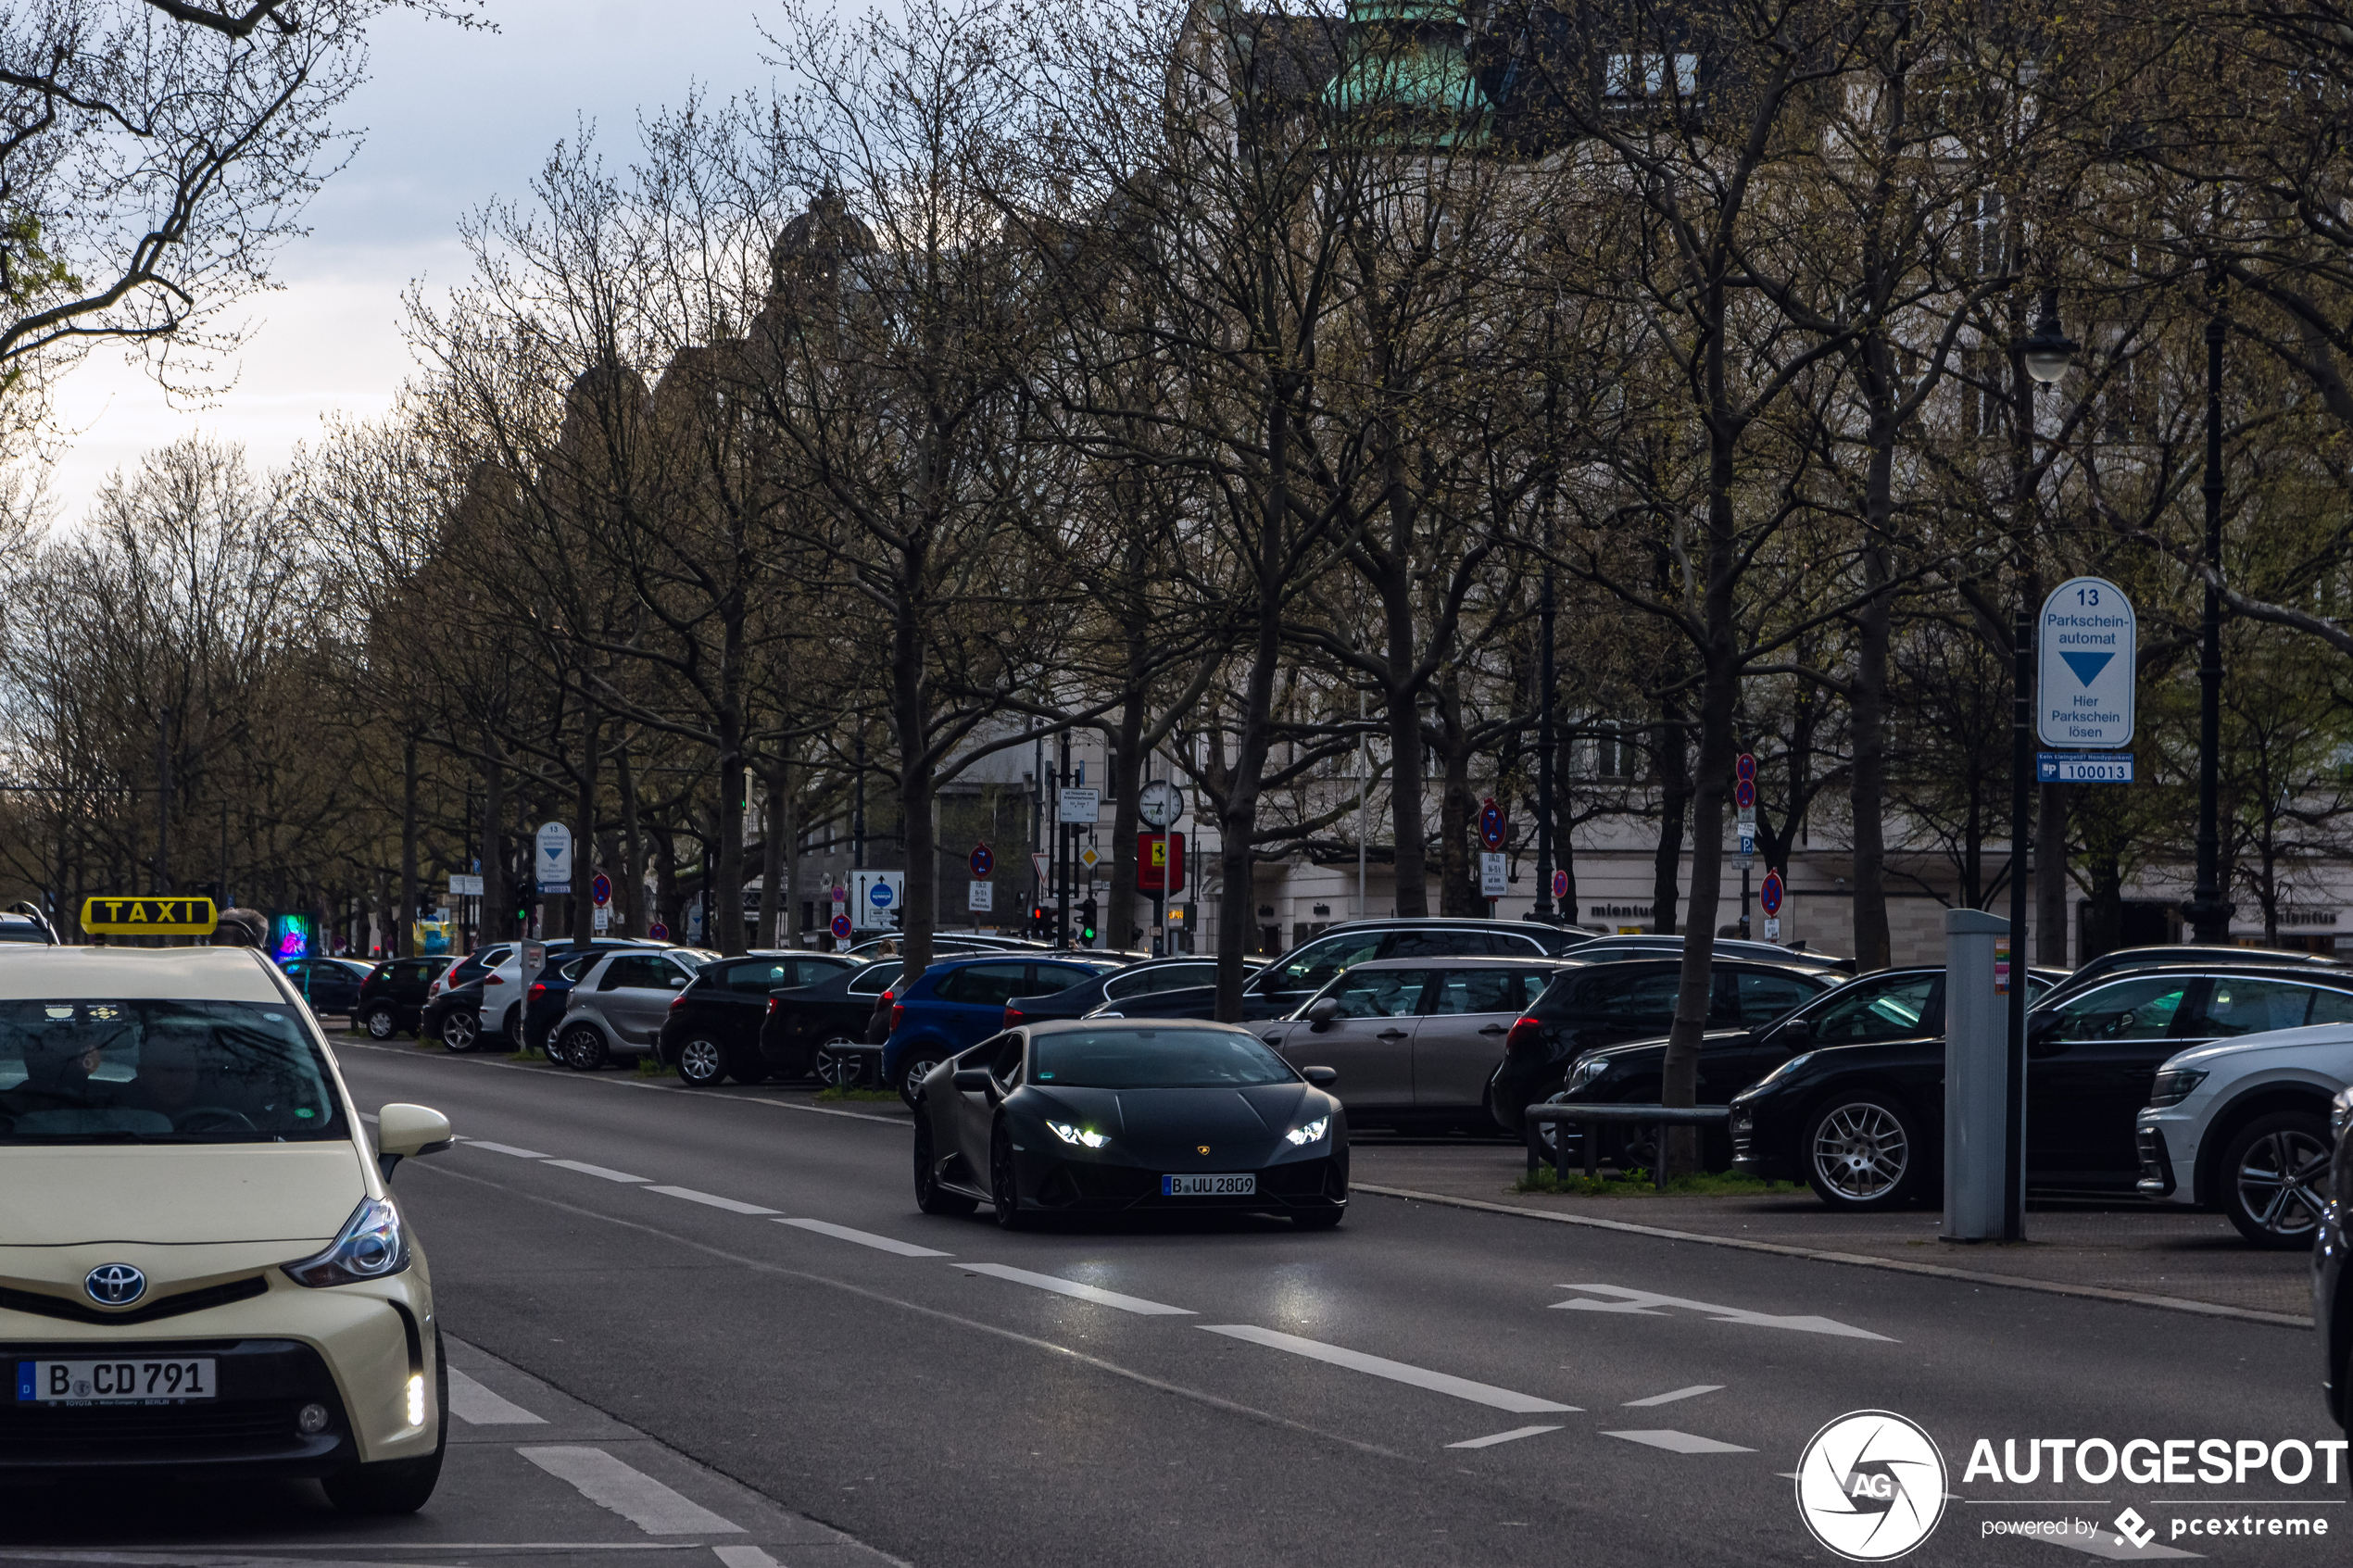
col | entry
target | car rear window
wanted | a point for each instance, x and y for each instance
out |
(1154, 1059)
(1152, 982)
(991, 985)
(875, 979)
(81, 1072)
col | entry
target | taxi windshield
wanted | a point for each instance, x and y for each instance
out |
(152, 1071)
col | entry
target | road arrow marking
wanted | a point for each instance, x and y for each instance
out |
(1643, 1303)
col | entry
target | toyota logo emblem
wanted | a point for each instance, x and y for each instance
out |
(115, 1285)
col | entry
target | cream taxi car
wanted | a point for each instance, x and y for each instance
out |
(201, 1270)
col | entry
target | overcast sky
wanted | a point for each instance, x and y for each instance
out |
(452, 120)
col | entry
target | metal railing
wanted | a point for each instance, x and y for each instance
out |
(1589, 1117)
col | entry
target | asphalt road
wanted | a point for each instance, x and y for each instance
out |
(733, 1302)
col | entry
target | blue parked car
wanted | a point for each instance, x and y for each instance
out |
(960, 1001)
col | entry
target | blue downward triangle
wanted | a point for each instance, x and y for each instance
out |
(2087, 665)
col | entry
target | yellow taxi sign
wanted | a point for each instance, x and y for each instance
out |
(153, 916)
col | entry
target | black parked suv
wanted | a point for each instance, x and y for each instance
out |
(392, 999)
(713, 1028)
(1289, 983)
(2331, 1303)
(1604, 1004)
(1865, 1124)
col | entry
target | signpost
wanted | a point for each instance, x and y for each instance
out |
(1493, 880)
(1491, 826)
(658, 931)
(2089, 645)
(600, 889)
(1560, 885)
(1079, 807)
(1768, 899)
(464, 885)
(841, 928)
(875, 895)
(1160, 803)
(983, 863)
(1160, 870)
(554, 860)
(980, 897)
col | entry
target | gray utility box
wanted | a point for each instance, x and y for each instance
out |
(1977, 1074)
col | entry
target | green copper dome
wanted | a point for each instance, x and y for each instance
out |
(1404, 59)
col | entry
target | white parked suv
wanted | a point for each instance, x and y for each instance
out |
(2242, 1125)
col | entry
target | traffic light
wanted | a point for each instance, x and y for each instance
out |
(1040, 923)
(1087, 920)
(522, 911)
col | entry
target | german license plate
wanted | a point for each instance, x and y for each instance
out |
(129, 1381)
(1243, 1185)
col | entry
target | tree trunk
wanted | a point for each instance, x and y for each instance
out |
(667, 914)
(631, 894)
(773, 919)
(2050, 877)
(400, 942)
(583, 843)
(1674, 798)
(1867, 790)
(497, 907)
(1121, 927)
(920, 914)
(723, 881)
(1409, 835)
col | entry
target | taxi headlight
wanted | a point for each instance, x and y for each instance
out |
(374, 1243)
(2173, 1086)
(1084, 1137)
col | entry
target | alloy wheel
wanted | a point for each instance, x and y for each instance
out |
(701, 1062)
(2281, 1182)
(1860, 1153)
(461, 1031)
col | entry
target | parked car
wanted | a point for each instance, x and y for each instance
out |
(1129, 1113)
(330, 986)
(1603, 949)
(392, 999)
(1285, 985)
(820, 1029)
(23, 921)
(2173, 954)
(544, 999)
(1864, 1124)
(2242, 1125)
(2331, 1303)
(1416, 1041)
(620, 1002)
(713, 1031)
(959, 1002)
(1888, 1004)
(453, 1016)
(942, 942)
(506, 1004)
(1133, 990)
(475, 965)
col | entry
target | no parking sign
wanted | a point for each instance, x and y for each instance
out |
(1769, 898)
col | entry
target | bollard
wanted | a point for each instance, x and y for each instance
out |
(1976, 1073)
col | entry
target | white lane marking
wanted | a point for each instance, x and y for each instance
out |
(478, 1406)
(1645, 1303)
(609, 1174)
(505, 1149)
(1396, 1371)
(867, 1239)
(732, 1205)
(633, 1494)
(1692, 1392)
(1676, 1442)
(1512, 1436)
(1101, 1298)
(745, 1557)
(2113, 1546)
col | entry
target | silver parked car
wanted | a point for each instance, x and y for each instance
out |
(618, 1005)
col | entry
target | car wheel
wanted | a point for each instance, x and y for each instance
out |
(700, 1063)
(911, 1076)
(838, 1062)
(1862, 1152)
(398, 1486)
(461, 1031)
(582, 1049)
(380, 1023)
(1004, 1181)
(2275, 1177)
(930, 1197)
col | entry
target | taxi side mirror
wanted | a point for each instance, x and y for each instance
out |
(406, 1130)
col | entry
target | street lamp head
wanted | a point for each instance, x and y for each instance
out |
(2048, 351)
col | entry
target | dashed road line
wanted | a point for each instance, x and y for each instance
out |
(712, 1199)
(1676, 1442)
(1396, 1371)
(1095, 1293)
(745, 1557)
(867, 1238)
(503, 1148)
(476, 1405)
(606, 1171)
(1514, 1435)
(1667, 1399)
(631, 1493)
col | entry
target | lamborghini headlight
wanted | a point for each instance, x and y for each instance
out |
(1084, 1137)
(1311, 1133)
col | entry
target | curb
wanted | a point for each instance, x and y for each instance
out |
(1856, 1259)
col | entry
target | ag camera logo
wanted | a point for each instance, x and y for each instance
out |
(1870, 1485)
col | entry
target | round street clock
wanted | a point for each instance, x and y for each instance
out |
(1160, 803)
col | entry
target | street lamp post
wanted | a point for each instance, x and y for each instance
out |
(1544, 910)
(2209, 912)
(2047, 353)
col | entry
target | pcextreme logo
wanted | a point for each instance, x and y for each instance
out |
(1870, 1485)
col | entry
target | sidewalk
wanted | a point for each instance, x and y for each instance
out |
(2138, 1249)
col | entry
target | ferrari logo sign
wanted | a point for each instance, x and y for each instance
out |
(149, 917)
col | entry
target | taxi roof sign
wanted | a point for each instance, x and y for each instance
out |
(155, 915)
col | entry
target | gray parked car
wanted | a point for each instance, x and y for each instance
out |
(1416, 1040)
(620, 1003)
